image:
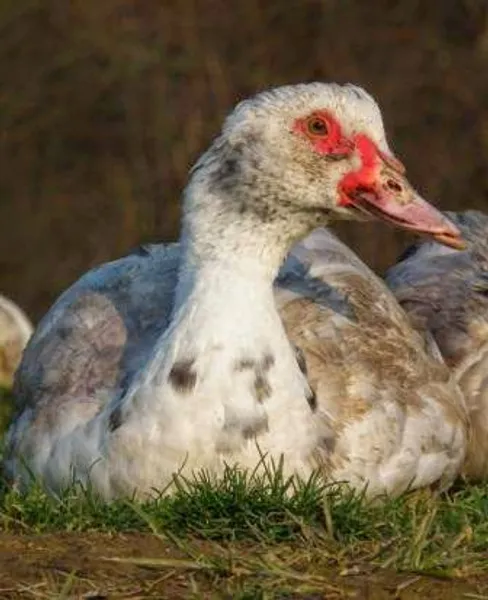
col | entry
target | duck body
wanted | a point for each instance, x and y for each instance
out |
(384, 415)
(445, 294)
(176, 358)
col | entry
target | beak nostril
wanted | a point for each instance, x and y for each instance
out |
(394, 186)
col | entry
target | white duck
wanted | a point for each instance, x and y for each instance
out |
(127, 397)
(445, 293)
(15, 331)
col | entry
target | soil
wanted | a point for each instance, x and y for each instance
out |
(70, 565)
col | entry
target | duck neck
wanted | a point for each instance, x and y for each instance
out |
(242, 210)
(214, 236)
(224, 287)
(230, 258)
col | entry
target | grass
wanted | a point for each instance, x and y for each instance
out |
(247, 535)
(419, 531)
(250, 536)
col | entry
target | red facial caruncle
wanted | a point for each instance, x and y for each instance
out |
(377, 168)
(379, 187)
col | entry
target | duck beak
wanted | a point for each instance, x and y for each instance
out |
(380, 189)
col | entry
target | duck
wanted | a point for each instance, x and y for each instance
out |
(175, 358)
(444, 292)
(15, 331)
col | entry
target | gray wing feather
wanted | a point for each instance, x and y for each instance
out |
(444, 291)
(102, 329)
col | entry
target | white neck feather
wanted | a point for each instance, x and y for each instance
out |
(229, 262)
(225, 304)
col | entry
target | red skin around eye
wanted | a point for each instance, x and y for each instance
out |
(331, 144)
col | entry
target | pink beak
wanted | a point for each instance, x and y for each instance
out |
(381, 189)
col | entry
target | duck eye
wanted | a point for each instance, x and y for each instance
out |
(317, 126)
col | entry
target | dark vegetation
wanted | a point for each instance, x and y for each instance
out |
(104, 105)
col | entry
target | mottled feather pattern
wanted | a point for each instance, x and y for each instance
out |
(97, 335)
(445, 295)
(359, 352)
(368, 366)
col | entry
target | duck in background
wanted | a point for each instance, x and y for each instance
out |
(15, 331)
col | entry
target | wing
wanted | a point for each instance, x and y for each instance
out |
(382, 395)
(324, 274)
(444, 291)
(101, 330)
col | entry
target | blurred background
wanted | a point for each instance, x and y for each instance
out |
(104, 105)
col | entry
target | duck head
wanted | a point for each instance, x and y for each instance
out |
(297, 157)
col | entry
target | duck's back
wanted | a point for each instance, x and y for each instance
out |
(386, 403)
